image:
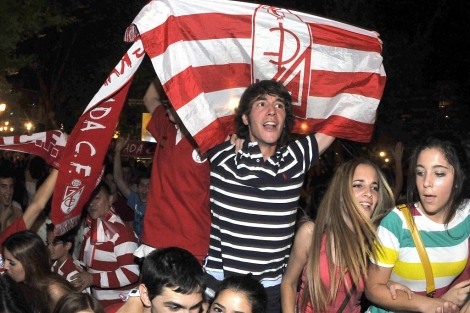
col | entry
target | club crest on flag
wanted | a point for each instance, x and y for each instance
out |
(282, 51)
(72, 194)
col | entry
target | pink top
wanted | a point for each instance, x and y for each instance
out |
(353, 306)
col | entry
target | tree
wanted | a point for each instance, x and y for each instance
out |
(64, 50)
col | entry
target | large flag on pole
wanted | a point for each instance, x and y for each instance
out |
(206, 52)
(81, 163)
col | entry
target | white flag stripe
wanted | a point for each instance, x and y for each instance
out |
(345, 105)
(195, 53)
(118, 80)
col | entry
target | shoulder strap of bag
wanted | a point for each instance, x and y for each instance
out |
(430, 286)
(346, 300)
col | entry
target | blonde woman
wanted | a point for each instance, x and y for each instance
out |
(332, 254)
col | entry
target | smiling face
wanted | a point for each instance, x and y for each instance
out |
(229, 301)
(13, 267)
(7, 187)
(143, 189)
(434, 181)
(365, 187)
(99, 205)
(266, 122)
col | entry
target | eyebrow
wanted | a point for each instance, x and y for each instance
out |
(171, 303)
(362, 180)
(434, 166)
(220, 305)
(263, 97)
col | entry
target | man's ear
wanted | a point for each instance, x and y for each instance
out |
(245, 119)
(68, 246)
(144, 296)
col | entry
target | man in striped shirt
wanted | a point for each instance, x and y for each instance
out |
(255, 191)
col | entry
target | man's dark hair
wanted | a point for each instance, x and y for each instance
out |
(251, 94)
(142, 175)
(7, 172)
(66, 237)
(248, 286)
(173, 268)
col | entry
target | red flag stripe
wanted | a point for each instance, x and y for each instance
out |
(335, 125)
(329, 84)
(333, 36)
(212, 78)
(206, 26)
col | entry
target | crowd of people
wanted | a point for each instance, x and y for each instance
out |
(255, 225)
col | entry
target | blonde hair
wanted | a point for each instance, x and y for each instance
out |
(352, 247)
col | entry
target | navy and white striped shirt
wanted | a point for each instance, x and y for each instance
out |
(253, 206)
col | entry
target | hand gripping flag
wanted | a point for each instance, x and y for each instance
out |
(81, 164)
(206, 52)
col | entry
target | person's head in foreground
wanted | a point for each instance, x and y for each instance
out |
(438, 179)
(240, 294)
(264, 113)
(26, 259)
(172, 281)
(78, 302)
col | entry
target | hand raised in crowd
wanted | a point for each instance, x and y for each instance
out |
(120, 143)
(398, 152)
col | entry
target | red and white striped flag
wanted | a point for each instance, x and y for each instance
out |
(206, 52)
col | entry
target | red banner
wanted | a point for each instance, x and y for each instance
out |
(139, 149)
(82, 163)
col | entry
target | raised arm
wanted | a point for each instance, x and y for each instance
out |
(152, 95)
(40, 199)
(117, 167)
(324, 141)
(297, 260)
(398, 156)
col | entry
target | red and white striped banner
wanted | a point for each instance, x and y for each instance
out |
(206, 52)
(47, 145)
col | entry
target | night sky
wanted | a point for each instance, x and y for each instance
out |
(439, 29)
